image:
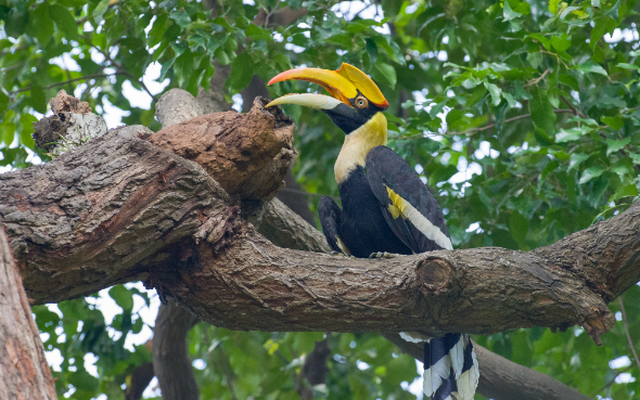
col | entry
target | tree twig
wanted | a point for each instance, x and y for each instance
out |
(94, 76)
(538, 79)
(626, 329)
(121, 71)
(606, 385)
(473, 131)
(575, 110)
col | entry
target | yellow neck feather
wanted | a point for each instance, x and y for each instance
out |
(357, 145)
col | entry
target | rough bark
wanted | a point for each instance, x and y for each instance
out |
(473, 290)
(24, 373)
(170, 362)
(281, 226)
(247, 154)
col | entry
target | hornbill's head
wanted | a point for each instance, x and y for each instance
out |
(356, 98)
(356, 108)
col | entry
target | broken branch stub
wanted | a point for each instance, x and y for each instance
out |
(247, 154)
(71, 125)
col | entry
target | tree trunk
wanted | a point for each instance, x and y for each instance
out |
(24, 372)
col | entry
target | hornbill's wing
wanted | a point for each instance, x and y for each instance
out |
(408, 206)
(330, 215)
(450, 366)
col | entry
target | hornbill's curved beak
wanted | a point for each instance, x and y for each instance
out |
(344, 84)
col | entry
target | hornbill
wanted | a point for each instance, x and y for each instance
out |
(385, 207)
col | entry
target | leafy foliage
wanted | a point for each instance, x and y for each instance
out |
(523, 116)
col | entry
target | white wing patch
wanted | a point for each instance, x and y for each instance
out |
(401, 207)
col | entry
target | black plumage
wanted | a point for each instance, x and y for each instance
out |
(385, 207)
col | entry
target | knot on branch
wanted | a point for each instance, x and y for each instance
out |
(434, 275)
(248, 154)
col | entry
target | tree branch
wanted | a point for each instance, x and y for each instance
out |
(170, 362)
(473, 131)
(626, 330)
(24, 373)
(82, 78)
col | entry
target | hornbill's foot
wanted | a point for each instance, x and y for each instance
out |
(381, 255)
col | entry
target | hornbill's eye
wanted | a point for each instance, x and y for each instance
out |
(361, 102)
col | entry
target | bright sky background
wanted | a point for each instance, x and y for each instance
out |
(113, 117)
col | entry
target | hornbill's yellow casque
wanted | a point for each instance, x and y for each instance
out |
(385, 207)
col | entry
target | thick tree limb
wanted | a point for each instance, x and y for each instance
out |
(120, 208)
(474, 290)
(170, 362)
(24, 373)
(140, 379)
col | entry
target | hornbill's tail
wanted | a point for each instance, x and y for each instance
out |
(450, 366)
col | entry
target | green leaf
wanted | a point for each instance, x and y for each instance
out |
(122, 296)
(42, 23)
(157, 30)
(614, 122)
(4, 102)
(601, 26)
(592, 67)
(590, 173)
(38, 98)
(388, 72)
(8, 132)
(628, 66)
(256, 32)
(561, 43)
(553, 6)
(494, 91)
(64, 21)
(542, 39)
(624, 191)
(508, 13)
(27, 120)
(183, 67)
(621, 171)
(568, 135)
(99, 40)
(541, 111)
(241, 71)
(534, 59)
(615, 10)
(84, 381)
(616, 145)
(182, 18)
(576, 159)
